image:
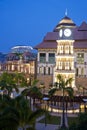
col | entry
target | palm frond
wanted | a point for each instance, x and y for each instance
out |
(35, 82)
(69, 81)
(52, 91)
(70, 91)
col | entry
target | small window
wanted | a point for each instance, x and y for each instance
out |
(40, 70)
(51, 57)
(76, 71)
(82, 71)
(44, 70)
(42, 57)
(48, 70)
(80, 58)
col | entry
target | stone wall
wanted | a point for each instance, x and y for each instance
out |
(81, 81)
(46, 79)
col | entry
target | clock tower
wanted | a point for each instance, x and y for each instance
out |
(65, 50)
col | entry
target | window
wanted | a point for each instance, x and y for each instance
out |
(44, 70)
(40, 70)
(76, 71)
(51, 57)
(48, 70)
(42, 57)
(80, 58)
(82, 71)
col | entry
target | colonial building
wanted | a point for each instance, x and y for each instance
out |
(63, 51)
(20, 60)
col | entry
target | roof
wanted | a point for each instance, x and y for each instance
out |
(47, 45)
(53, 45)
(79, 35)
(83, 27)
(80, 45)
(66, 21)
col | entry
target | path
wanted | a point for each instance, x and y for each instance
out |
(41, 126)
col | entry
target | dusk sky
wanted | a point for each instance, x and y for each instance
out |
(26, 22)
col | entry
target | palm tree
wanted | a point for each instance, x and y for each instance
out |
(32, 90)
(7, 83)
(27, 116)
(20, 79)
(8, 114)
(64, 87)
(16, 113)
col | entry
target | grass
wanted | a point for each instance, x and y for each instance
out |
(57, 120)
(53, 120)
(72, 120)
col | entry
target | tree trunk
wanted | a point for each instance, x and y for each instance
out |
(63, 114)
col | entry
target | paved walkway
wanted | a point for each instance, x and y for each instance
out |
(41, 126)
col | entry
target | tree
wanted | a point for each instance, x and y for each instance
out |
(64, 86)
(81, 123)
(20, 79)
(12, 81)
(7, 83)
(17, 113)
(32, 91)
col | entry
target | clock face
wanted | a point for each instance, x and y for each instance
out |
(67, 32)
(60, 32)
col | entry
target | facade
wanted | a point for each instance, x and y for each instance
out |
(20, 61)
(63, 52)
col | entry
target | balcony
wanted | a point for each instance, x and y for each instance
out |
(65, 55)
(65, 71)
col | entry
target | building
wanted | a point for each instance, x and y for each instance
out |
(63, 51)
(20, 60)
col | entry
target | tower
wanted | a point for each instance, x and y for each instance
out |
(65, 50)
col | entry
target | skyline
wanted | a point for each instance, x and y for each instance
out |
(26, 22)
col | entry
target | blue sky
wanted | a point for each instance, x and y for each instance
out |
(26, 22)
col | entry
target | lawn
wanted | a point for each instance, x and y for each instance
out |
(72, 120)
(57, 120)
(53, 120)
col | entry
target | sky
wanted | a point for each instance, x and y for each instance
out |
(26, 22)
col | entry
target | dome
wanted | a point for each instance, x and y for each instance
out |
(66, 21)
(21, 49)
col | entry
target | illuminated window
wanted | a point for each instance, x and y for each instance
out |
(40, 70)
(80, 58)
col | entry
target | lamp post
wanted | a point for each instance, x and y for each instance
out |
(45, 99)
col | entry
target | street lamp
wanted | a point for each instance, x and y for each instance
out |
(45, 99)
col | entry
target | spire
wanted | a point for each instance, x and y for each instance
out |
(66, 12)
